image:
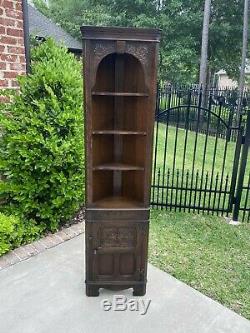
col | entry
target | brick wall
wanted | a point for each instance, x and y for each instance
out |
(12, 51)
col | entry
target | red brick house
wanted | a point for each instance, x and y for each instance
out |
(12, 42)
(17, 21)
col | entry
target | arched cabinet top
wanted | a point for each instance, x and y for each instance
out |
(133, 73)
(102, 43)
(142, 51)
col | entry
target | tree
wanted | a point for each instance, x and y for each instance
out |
(204, 46)
(181, 24)
(244, 53)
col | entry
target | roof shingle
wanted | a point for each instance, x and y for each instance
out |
(41, 26)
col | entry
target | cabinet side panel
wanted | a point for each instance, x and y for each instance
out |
(87, 119)
(152, 86)
(152, 118)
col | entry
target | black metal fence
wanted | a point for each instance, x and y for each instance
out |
(223, 102)
(200, 153)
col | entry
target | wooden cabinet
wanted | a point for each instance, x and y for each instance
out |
(117, 249)
(120, 92)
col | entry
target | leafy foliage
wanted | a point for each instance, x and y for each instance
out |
(181, 24)
(11, 233)
(41, 153)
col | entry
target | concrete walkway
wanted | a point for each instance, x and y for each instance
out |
(45, 294)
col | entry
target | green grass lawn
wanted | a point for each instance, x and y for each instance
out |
(174, 162)
(219, 156)
(206, 253)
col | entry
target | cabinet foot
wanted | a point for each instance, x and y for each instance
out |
(139, 290)
(92, 291)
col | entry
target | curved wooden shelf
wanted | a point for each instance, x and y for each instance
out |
(118, 132)
(112, 93)
(118, 167)
(117, 202)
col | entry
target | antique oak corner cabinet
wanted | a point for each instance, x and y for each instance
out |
(120, 66)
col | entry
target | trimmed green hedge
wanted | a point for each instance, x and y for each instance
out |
(41, 142)
(11, 233)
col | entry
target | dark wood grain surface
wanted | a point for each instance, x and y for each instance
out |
(119, 98)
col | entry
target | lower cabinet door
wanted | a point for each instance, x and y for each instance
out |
(115, 266)
(118, 251)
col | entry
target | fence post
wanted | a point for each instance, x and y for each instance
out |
(242, 170)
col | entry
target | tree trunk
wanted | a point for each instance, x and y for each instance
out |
(244, 56)
(204, 46)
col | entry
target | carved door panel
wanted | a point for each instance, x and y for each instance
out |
(117, 251)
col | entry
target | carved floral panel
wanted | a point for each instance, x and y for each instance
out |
(117, 237)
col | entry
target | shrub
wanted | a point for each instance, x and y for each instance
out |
(11, 233)
(41, 154)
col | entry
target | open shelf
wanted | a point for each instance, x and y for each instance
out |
(117, 166)
(132, 150)
(113, 93)
(113, 184)
(117, 202)
(119, 128)
(118, 132)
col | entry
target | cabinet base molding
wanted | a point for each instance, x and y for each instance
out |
(92, 288)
